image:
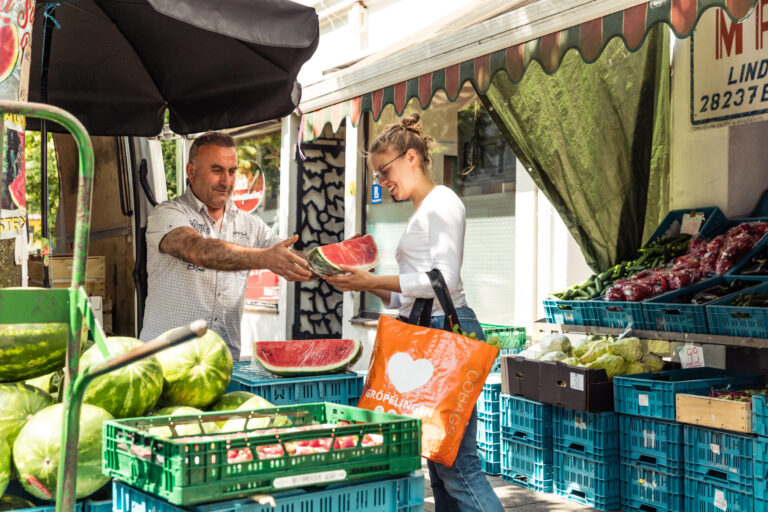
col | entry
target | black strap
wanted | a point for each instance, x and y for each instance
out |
(421, 313)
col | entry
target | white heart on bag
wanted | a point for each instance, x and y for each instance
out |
(407, 374)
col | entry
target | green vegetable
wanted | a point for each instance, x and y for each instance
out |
(596, 350)
(571, 361)
(653, 362)
(554, 356)
(631, 349)
(660, 347)
(635, 367)
(613, 365)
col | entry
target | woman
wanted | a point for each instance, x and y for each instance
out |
(433, 238)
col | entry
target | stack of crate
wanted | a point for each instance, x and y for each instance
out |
(760, 451)
(586, 457)
(651, 464)
(719, 470)
(526, 443)
(489, 426)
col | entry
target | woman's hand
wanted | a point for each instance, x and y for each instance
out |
(355, 280)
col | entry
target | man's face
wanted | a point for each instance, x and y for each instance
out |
(213, 179)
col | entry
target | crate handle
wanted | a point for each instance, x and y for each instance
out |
(521, 478)
(672, 312)
(648, 508)
(578, 494)
(647, 459)
(641, 387)
(564, 307)
(562, 383)
(520, 435)
(578, 447)
(741, 315)
(717, 474)
(616, 309)
(519, 375)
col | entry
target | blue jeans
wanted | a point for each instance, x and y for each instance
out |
(463, 486)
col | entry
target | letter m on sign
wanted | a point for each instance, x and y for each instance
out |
(726, 34)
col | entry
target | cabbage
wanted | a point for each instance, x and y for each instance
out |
(554, 356)
(584, 348)
(653, 362)
(660, 347)
(635, 367)
(631, 349)
(555, 343)
(578, 343)
(596, 350)
(612, 364)
(571, 361)
(533, 352)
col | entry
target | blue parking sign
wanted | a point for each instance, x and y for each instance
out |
(375, 193)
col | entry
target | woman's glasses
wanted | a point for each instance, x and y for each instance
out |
(380, 174)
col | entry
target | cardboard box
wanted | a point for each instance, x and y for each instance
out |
(520, 377)
(583, 389)
(714, 412)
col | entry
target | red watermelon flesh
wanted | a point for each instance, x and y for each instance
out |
(360, 253)
(9, 50)
(306, 357)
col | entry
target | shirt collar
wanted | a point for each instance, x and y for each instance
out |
(201, 207)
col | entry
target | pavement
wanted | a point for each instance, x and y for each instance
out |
(515, 498)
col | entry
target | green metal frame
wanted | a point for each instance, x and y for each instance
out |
(71, 305)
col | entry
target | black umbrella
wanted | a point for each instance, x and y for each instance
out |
(118, 64)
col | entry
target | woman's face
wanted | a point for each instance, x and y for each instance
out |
(396, 170)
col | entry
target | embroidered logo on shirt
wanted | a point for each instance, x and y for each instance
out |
(192, 266)
(199, 226)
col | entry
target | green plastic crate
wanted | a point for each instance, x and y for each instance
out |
(510, 337)
(196, 469)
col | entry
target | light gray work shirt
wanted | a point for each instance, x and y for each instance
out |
(180, 292)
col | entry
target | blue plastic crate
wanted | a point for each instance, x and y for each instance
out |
(489, 418)
(644, 489)
(619, 314)
(653, 394)
(490, 458)
(710, 496)
(525, 465)
(737, 320)
(670, 226)
(404, 494)
(496, 368)
(489, 432)
(759, 415)
(573, 312)
(488, 401)
(760, 467)
(100, 501)
(338, 388)
(652, 444)
(586, 433)
(747, 260)
(588, 480)
(719, 455)
(526, 420)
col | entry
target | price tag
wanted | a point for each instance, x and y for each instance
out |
(715, 448)
(719, 501)
(642, 400)
(375, 193)
(691, 356)
(309, 479)
(649, 439)
(579, 423)
(577, 381)
(692, 223)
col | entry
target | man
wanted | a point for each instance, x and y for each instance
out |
(200, 249)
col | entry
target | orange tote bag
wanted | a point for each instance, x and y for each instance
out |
(430, 374)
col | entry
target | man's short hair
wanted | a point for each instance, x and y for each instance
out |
(210, 139)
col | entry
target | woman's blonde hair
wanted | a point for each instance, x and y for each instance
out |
(402, 136)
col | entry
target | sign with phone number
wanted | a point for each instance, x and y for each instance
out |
(729, 68)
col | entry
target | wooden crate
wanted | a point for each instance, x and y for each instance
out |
(714, 413)
(61, 268)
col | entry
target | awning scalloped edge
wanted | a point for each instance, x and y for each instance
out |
(589, 39)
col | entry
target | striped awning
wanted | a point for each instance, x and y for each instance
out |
(588, 38)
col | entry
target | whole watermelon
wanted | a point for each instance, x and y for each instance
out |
(18, 403)
(9, 502)
(50, 382)
(130, 391)
(197, 372)
(37, 449)
(188, 429)
(5, 464)
(31, 350)
(229, 402)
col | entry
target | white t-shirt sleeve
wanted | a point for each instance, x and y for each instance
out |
(445, 230)
(162, 220)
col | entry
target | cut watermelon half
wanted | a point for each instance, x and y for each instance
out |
(360, 253)
(306, 357)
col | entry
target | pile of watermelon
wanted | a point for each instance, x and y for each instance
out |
(182, 380)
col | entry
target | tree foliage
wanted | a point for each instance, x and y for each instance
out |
(32, 151)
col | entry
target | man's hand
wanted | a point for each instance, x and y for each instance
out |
(284, 262)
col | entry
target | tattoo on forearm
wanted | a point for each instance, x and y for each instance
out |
(187, 244)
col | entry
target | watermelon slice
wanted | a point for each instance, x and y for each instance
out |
(360, 253)
(306, 357)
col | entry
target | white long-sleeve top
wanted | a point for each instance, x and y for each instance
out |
(433, 238)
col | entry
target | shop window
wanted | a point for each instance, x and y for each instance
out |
(472, 158)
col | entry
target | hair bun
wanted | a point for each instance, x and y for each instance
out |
(411, 120)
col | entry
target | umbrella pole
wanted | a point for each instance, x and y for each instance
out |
(44, 206)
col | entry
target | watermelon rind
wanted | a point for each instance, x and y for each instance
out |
(197, 372)
(5, 464)
(31, 350)
(37, 451)
(18, 403)
(9, 502)
(183, 429)
(130, 391)
(320, 264)
(295, 370)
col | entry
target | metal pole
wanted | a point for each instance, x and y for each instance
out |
(44, 206)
